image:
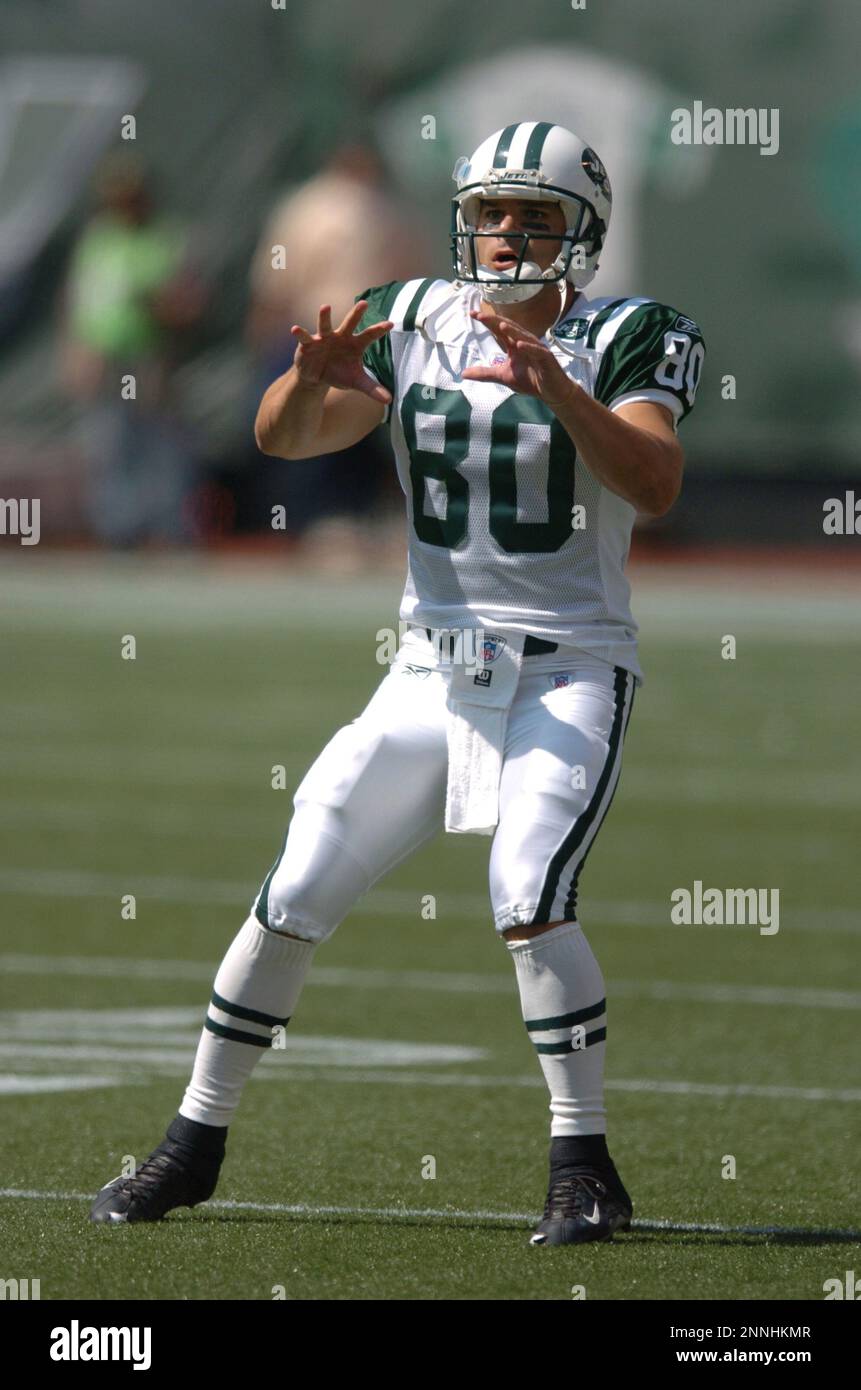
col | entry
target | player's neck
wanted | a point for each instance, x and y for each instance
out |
(536, 314)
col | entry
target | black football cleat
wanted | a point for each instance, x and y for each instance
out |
(582, 1207)
(163, 1181)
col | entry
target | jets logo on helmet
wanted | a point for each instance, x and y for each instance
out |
(596, 171)
(532, 160)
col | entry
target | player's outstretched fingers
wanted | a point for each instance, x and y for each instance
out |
(494, 324)
(301, 333)
(530, 348)
(373, 389)
(324, 320)
(351, 318)
(481, 373)
(370, 335)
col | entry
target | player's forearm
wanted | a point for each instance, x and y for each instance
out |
(640, 467)
(290, 417)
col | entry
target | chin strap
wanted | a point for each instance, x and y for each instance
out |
(458, 285)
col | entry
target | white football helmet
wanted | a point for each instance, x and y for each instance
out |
(532, 159)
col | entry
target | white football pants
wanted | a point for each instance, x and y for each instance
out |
(377, 791)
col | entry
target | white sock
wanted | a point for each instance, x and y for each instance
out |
(563, 1005)
(257, 987)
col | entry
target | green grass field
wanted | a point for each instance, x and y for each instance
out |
(152, 777)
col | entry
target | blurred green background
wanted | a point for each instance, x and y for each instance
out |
(237, 102)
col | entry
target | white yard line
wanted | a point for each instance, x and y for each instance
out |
(18, 1085)
(645, 784)
(140, 1064)
(442, 981)
(440, 1214)
(381, 902)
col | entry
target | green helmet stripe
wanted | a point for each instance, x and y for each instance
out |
(500, 158)
(535, 144)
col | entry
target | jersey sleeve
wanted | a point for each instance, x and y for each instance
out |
(656, 355)
(377, 358)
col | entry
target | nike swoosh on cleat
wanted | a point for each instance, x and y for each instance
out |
(594, 1218)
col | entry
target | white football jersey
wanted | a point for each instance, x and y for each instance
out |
(508, 529)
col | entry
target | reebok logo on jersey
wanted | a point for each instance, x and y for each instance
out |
(687, 325)
(420, 671)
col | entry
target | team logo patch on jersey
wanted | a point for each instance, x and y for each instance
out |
(577, 328)
(490, 649)
(559, 680)
(686, 325)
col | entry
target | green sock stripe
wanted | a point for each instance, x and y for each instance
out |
(250, 1015)
(567, 1046)
(537, 1025)
(234, 1035)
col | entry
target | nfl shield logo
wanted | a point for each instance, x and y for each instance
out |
(490, 649)
(559, 679)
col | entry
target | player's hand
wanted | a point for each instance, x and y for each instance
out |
(333, 356)
(529, 366)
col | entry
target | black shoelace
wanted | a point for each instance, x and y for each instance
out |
(568, 1196)
(153, 1169)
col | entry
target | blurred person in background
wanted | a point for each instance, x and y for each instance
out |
(130, 297)
(341, 228)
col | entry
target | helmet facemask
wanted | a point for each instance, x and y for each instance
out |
(525, 279)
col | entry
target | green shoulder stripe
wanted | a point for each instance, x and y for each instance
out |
(413, 308)
(600, 319)
(378, 357)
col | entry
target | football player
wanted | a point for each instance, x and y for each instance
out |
(530, 425)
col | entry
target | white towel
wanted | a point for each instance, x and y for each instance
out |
(482, 687)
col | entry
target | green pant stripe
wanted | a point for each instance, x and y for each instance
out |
(261, 907)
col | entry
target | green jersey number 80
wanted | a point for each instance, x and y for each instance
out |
(514, 536)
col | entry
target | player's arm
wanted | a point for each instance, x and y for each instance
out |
(625, 434)
(326, 401)
(633, 451)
